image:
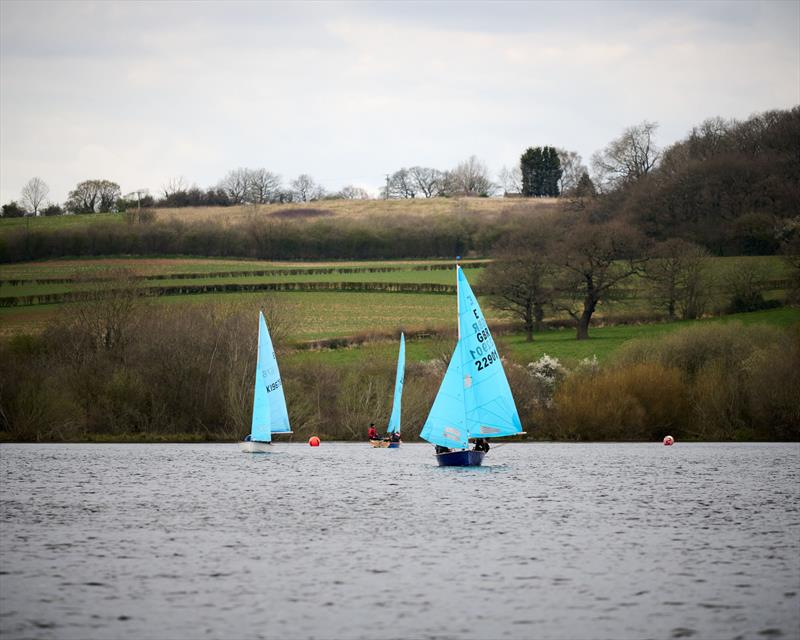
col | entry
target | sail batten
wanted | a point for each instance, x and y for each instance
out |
(269, 403)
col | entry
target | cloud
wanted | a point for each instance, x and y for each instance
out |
(142, 92)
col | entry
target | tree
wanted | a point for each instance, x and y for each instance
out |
(263, 186)
(402, 185)
(470, 178)
(585, 187)
(305, 189)
(174, 186)
(52, 209)
(511, 180)
(34, 193)
(676, 272)
(628, 158)
(351, 192)
(572, 170)
(428, 181)
(541, 172)
(91, 196)
(13, 210)
(519, 280)
(594, 260)
(236, 185)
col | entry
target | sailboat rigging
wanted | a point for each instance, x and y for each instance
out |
(474, 399)
(392, 441)
(269, 403)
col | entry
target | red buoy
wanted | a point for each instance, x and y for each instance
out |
(668, 440)
(313, 441)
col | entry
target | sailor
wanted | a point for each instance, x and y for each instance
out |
(395, 437)
(481, 444)
(372, 432)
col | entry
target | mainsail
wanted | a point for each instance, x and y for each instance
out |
(394, 419)
(269, 404)
(474, 400)
(490, 408)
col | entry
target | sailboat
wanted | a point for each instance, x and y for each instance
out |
(474, 399)
(269, 404)
(394, 419)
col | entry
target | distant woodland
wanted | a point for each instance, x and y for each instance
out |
(731, 187)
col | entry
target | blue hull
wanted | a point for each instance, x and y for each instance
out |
(393, 445)
(460, 458)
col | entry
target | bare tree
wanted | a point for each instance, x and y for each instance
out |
(351, 192)
(305, 189)
(34, 193)
(628, 158)
(519, 280)
(511, 179)
(402, 185)
(236, 185)
(470, 178)
(572, 168)
(263, 186)
(677, 275)
(173, 186)
(427, 180)
(594, 260)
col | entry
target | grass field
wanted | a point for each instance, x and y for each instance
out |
(560, 343)
(316, 314)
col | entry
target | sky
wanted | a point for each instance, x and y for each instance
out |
(145, 92)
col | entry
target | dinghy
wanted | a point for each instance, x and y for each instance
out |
(394, 419)
(269, 404)
(474, 399)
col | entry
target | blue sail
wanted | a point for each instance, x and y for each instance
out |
(269, 404)
(394, 419)
(489, 406)
(446, 423)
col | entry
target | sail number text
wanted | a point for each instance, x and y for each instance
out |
(485, 361)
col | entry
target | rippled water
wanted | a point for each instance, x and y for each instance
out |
(346, 541)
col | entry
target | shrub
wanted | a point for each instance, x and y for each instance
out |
(639, 402)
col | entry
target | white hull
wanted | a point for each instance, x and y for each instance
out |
(250, 446)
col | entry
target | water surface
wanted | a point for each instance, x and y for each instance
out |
(346, 541)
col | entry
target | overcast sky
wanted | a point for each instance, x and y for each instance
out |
(141, 92)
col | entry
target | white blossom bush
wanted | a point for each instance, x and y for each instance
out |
(589, 366)
(546, 373)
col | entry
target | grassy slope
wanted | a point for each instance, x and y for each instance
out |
(330, 210)
(603, 343)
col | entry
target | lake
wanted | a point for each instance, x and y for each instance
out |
(345, 541)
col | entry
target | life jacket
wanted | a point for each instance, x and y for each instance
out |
(372, 433)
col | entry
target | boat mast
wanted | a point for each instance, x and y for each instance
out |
(458, 301)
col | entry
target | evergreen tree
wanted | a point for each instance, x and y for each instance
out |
(541, 171)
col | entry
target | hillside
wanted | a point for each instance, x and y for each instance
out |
(330, 210)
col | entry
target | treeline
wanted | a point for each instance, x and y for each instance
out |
(117, 368)
(730, 186)
(266, 238)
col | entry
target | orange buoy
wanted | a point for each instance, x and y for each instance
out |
(313, 441)
(668, 440)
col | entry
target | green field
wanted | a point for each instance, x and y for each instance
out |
(319, 315)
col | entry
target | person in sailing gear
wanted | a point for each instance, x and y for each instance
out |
(481, 444)
(372, 432)
(395, 437)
